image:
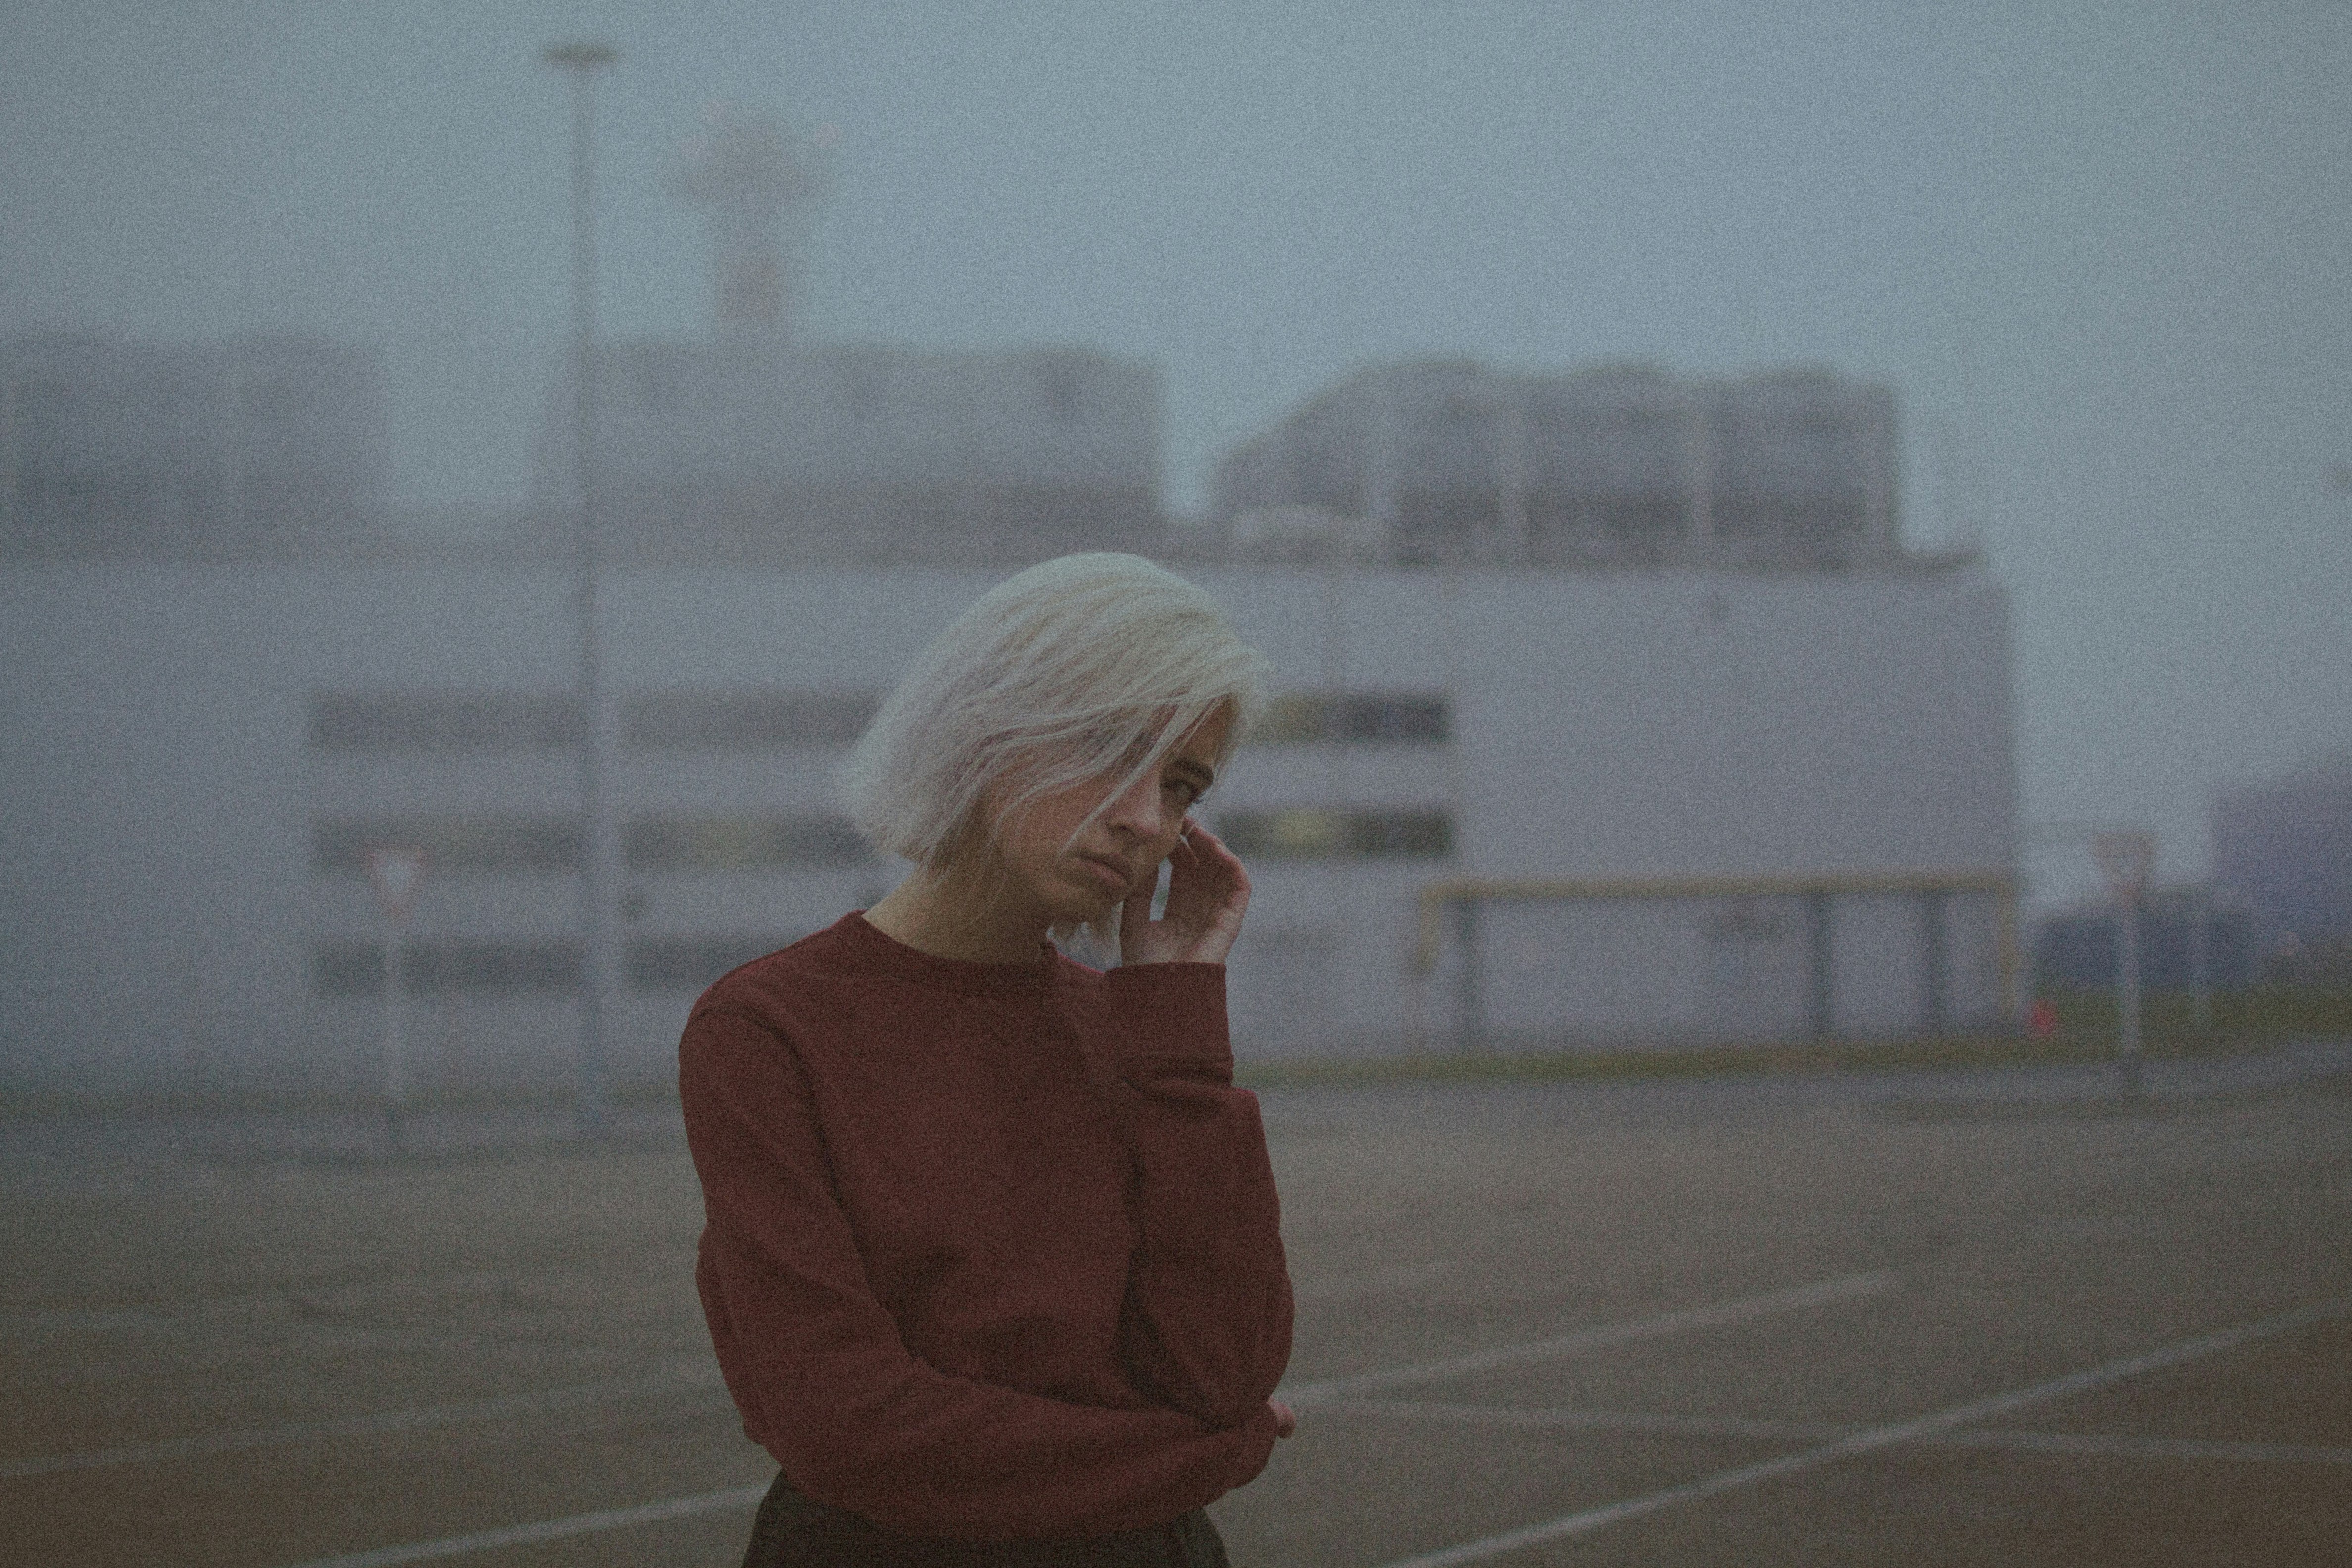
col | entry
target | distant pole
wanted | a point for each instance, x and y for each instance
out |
(232, 532)
(1513, 479)
(397, 874)
(1699, 475)
(600, 868)
(395, 1030)
(2127, 858)
(2200, 957)
(1470, 994)
(2128, 992)
(1336, 735)
(8, 520)
(1821, 965)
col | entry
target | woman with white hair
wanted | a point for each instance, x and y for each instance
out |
(992, 1260)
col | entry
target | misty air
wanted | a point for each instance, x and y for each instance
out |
(1283, 786)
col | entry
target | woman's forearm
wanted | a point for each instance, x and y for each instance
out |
(1208, 1323)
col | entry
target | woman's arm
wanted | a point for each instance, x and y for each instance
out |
(1209, 1308)
(826, 1381)
(1208, 1317)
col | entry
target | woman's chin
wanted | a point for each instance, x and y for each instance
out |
(1091, 889)
(1092, 910)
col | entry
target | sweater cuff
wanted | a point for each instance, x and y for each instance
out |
(1174, 1011)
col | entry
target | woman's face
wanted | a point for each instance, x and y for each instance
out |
(1118, 853)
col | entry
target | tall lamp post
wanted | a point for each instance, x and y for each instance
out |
(2127, 858)
(599, 880)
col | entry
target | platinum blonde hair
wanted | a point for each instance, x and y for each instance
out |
(1092, 665)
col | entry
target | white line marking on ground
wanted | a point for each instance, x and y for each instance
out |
(1877, 1437)
(379, 1424)
(546, 1530)
(1844, 1287)
(2096, 1445)
(1540, 1419)
(2092, 1444)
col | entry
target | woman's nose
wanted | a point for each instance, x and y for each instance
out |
(1138, 809)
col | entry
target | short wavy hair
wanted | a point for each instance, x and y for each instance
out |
(1084, 666)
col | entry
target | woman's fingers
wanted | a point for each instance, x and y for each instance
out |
(1134, 917)
(1204, 841)
(1213, 873)
(1200, 855)
(1207, 892)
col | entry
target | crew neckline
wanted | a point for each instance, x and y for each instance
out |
(871, 948)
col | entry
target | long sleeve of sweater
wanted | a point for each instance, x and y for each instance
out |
(1208, 1312)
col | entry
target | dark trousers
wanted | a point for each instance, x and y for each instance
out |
(795, 1532)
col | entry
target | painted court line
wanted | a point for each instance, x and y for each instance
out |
(1877, 1437)
(377, 1425)
(546, 1530)
(2090, 1444)
(1844, 1287)
(1543, 1419)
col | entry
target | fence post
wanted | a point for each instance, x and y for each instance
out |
(1821, 967)
(1470, 1022)
(1935, 958)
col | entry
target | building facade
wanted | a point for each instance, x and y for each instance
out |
(254, 446)
(1656, 737)
(1609, 466)
(2189, 941)
(2284, 848)
(1681, 806)
(768, 452)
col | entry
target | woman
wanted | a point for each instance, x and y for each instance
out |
(992, 1258)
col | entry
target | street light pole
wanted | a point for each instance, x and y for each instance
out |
(2128, 1044)
(2127, 858)
(600, 868)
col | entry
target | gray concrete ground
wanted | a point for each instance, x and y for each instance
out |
(1990, 1317)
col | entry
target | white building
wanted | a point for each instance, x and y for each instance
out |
(259, 444)
(1608, 466)
(769, 452)
(2284, 846)
(1611, 709)
(1673, 804)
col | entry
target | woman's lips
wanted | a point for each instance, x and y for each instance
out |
(1115, 876)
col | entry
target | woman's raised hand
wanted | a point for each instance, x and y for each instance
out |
(1207, 893)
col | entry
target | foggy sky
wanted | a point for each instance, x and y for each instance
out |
(2100, 251)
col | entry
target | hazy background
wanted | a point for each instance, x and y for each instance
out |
(2100, 251)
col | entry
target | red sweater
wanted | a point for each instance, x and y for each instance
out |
(992, 1251)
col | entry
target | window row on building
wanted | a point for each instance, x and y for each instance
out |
(518, 842)
(525, 843)
(511, 968)
(1326, 834)
(401, 722)
(405, 721)
(1302, 717)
